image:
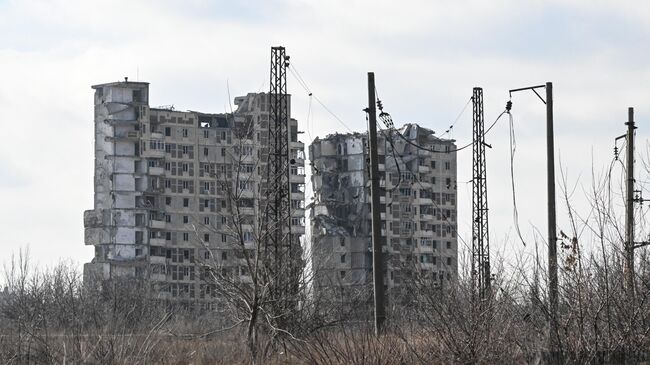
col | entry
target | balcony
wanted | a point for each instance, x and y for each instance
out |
(149, 153)
(300, 179)
(157, 259)
(246, 210)
(423, 168)
(157, 135)
(156, 224)
(297, 212)
(297, 145)
(125, 136)
(156, 171)
(426, 217)
(248, 194)
(158, 277)
(426, 248)
(157, 241)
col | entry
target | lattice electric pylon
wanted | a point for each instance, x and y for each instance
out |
(480, 236)
(278, 241)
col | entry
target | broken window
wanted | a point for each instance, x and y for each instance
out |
(248, 236)
(137, 96)
(139, 220)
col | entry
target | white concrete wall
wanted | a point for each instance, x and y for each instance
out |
(124, 201)
(123, 217)
(125, 148)
(125, 235)
(124, 165)
(124, 182)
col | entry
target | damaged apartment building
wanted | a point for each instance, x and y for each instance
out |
(417, 205)
(163, 186)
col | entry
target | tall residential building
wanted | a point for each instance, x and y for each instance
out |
(164, 187)
(418, 210)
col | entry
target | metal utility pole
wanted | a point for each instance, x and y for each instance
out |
(377, 256)
(554, 341)
(480, 236)
(629, 208)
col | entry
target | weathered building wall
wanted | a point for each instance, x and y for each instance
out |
(418, 209)
(161, 183)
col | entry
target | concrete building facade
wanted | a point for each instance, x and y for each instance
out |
(162, 183)
(418, 210)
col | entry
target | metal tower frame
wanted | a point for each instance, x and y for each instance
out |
(480, 236)
(278, 207)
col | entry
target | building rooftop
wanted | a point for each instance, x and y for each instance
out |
(124, 83)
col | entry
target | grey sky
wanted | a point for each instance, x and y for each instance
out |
(427, 56)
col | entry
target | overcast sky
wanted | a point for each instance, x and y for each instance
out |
(427, 56)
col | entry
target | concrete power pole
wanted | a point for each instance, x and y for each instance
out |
(629, 209)
(629, 234)
(377, 256)
(554, 333)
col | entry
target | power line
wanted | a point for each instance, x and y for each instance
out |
(390, 125)
(513, 147)
(448, 131)
(304, 85)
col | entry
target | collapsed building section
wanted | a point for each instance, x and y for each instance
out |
(417, 205)
(168, 182)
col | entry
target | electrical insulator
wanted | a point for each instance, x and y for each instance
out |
(615, 153)
(508, 106)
